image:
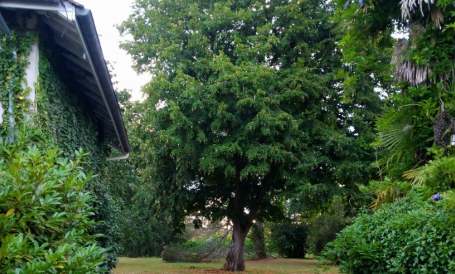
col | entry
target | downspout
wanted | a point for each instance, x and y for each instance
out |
(7, 31)
(124, 157)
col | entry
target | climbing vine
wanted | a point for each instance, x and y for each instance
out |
(64, 121)
(14, 51)
(61, 116)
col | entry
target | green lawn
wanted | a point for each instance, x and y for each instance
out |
(268, 266)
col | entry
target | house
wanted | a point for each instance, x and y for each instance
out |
(66, 31)
(52, 67)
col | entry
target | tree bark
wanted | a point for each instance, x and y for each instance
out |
(234, 259)
(242, 223)
(257, 235)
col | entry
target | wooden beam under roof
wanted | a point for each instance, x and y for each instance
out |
(62, 31)
(77, 50)
(79, 62)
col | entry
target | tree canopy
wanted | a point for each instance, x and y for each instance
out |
(244, 106)
(416, 124)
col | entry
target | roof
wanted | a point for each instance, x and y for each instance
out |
(75, 34)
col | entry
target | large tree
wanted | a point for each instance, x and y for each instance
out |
(243, 106)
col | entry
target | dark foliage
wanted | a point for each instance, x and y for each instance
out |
(290, 239)
(324, 230)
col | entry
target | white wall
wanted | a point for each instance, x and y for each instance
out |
(1, 113)
(31, 73)
(31, 77)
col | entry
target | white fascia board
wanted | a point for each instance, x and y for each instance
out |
(67, 10)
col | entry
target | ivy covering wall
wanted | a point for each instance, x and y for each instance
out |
(12, 72)
(64, 120)
(68, 124)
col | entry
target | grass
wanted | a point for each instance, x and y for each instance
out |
(267, 266)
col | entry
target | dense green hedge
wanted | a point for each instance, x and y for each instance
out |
(409, 236)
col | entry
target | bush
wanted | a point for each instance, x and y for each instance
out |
(324, 230)
(180, 253)
(141, 236)
(209, 244)
(44, 212)
(409, 236)
(144, 231)
(290, 239)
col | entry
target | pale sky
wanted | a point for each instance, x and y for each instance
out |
(107, 14)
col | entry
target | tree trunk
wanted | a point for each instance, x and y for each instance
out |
(257, 235)
(234, 259)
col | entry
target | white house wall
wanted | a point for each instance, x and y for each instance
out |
(31, 78)
(31, 75)
(1, 113)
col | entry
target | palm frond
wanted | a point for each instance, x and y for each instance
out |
(387, 191)
(393, 138)
(409, 6)
(420, 175)
(437, 16)
(434, 171)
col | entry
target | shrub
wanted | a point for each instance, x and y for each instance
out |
(210, 244)
(180, 253)
(324, 230)
(141, 236)
(290, 239)
(44, 212)
(409, 236)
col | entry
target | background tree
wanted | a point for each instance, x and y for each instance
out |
(258, 239)
(325, 227)
(416, 125)
(417, 154)
(144, 233)
(244, 106)
(289, 239)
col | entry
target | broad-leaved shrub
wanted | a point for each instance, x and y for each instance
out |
(411, 236)
(44, 211)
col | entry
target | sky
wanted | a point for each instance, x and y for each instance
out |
(107, 14)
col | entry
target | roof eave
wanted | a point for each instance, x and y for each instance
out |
(89, 35)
